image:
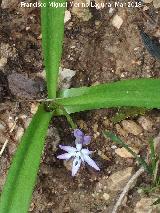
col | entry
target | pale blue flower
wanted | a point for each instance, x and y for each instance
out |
(78, 154)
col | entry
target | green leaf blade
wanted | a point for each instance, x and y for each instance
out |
(139, 93)
(22, 174)
(52, 21)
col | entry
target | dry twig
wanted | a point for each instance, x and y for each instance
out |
(126, 189)
(6, 141)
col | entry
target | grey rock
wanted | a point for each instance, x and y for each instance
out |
(22, 87)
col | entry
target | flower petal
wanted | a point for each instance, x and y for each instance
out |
(68, 148)
(65, 156)
(78, 133)
(86, 151)
(75, 166)
(91, 162)
(86, 140)
(78, 146)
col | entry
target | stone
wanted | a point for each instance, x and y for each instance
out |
(156, 4)
(22, 87)
(27, 122)
(67, 16)
(132, 127)
(11, 122)
(113, 147)
(106, 196)
(121, 131)
(8, 51)
(34, 108)
(19, 133)
(146, 123)
(3, 62)
(145, 8)
(117, 21)
(65, 78)
(119, 179)
(145, 206)
(147, 1)
(122, 152)
(81, 12)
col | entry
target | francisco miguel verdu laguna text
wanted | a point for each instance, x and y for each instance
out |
(80, 4)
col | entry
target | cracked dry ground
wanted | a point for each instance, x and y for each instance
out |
(98, 52)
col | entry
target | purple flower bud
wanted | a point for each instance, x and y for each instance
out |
(78, 133)
(81, 138)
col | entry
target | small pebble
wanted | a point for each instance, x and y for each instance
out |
(117, 21)
(122, 152)
(121, 131)
(3, 62)
(34, 108)
(27, 122)
(106, 196)
(146, 123)
(113, 147)
(145, 8)
(156, 4)
(132, 127)
(19, 133)
(81, 12)
(147, 1)
(65, 78)
(67, 16)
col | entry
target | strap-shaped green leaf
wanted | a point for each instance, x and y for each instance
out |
(139, 92)
(21, 178)
(22, 174)
(52, 21)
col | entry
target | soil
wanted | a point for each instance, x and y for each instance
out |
(98, 52)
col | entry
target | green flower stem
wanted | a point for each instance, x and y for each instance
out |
(59, 109)
(69, 118)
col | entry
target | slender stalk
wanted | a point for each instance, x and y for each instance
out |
(69, 118)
